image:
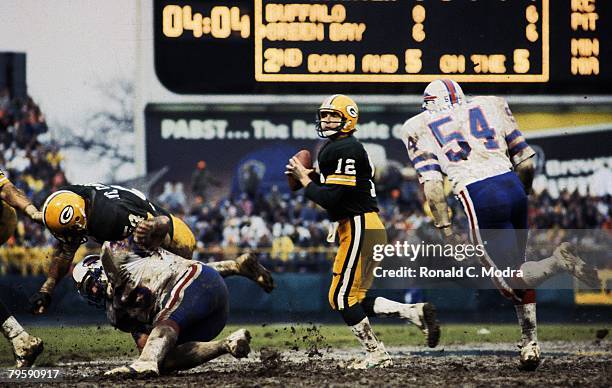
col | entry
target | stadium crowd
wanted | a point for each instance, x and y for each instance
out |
(290, 232)
(287, 230)
(33, 166)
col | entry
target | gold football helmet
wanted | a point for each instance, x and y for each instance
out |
(64, 214)
(345, 107)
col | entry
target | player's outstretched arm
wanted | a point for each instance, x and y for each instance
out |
(434, 193)
(526, 171)
(59, 267)
(17, 199)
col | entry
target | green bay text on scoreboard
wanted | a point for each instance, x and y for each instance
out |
(383, 46)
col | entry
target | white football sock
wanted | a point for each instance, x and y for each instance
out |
(364, 333)
(192, 354)
(384, 306)
(526, 314)
(161, 340)
(11, 328)
(536, 272)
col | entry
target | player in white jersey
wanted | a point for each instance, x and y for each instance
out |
(468, 143)
(479, 147)
(173, 307)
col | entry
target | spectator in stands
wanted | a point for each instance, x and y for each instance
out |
(250, 179)
(173, 197)
(201, 180)
(243, 222)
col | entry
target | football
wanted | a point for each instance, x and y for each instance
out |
(304, 157)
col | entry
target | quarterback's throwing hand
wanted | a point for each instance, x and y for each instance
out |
(298, 171)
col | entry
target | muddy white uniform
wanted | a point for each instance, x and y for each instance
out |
(163, 286)
(468, 143)
(476, 144)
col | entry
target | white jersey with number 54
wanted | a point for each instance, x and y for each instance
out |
(468, 143)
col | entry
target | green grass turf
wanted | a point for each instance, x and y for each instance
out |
(93, 343)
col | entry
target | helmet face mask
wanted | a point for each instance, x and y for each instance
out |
(71, 236)
(442, 94)
(325, 120)
(91, 280)
(93, 287)
(340, 109)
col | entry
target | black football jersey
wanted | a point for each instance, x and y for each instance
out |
(114, 211)
(344, 162)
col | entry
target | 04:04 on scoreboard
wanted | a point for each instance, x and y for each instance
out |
(401, 41)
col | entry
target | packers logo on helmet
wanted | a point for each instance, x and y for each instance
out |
(66, 215)
(345, 107)
(64, 212)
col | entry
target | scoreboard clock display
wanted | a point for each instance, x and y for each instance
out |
(383, 46)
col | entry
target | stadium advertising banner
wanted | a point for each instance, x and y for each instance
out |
(251, 146)
(580, 159)
(238, 144)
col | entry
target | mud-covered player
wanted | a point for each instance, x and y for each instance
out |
(346, 190)
(477, 144)
(113, 213)
(174, 308)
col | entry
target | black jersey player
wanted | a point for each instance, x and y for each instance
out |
(113, 213)
(347, 191)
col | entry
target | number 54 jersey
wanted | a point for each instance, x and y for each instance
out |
(468, 143)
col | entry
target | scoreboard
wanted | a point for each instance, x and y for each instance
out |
(383, 46)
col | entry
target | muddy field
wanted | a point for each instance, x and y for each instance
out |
(565, 364)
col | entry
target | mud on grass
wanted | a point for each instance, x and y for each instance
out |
(565, 364)
(87, 343)
(313, 355)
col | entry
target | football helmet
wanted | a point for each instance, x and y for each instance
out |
(345, 107)
(442, 94)
(64, 214)
(91, 280)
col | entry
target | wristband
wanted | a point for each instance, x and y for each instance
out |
(442, 226)
(30, 209)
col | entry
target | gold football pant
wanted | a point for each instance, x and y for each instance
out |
(182, 238)
(8, 221)
(353, 266)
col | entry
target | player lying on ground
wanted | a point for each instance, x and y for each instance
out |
(113, 213)
(479, 147)
(173, 307)
(348, 194)
(25, 347)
